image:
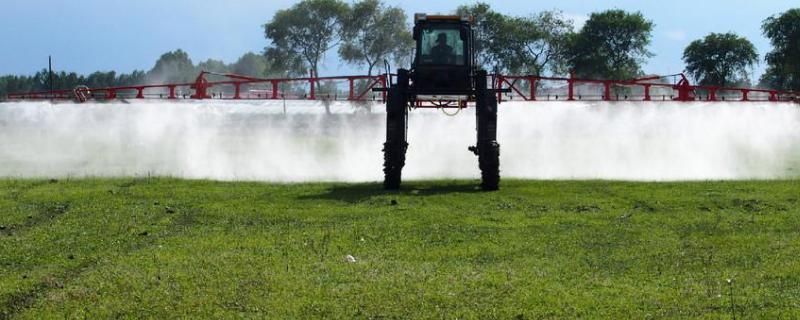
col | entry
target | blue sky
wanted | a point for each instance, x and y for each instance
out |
(123, 35)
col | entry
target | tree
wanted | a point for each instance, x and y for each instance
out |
(493, 31)
(720, 59)
(60, 80)
(308, 29)
(3, 87)
(212, 65)
(373, 32)
(518, 44)
(783, 71)
(134, 78)
(539, 42)
(612, 44)
(174, 67)
(282, 62)
(99, 79)
(250, 64)
(11, 84)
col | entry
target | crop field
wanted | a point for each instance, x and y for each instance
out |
(162, 248)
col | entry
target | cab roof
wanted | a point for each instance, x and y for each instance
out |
(427, 17)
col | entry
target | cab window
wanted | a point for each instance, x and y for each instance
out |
(441, 46)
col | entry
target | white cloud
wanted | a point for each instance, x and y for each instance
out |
(676, 35)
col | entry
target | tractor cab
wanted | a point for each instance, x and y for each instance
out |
(443, 61)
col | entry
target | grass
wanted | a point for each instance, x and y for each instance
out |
(165, 248)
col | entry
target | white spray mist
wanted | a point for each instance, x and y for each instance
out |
(540, 140)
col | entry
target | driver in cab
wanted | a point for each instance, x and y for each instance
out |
(441, 52)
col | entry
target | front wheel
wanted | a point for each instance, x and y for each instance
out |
(487, 149)
(394, 149)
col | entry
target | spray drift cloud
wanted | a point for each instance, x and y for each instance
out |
(257, 141)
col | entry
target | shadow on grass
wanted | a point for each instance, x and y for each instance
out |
(361, 191)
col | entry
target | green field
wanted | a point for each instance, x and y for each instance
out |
(164, 248)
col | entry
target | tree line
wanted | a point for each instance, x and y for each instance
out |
(173, 67)
(612, 44)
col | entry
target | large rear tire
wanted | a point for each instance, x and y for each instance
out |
(394, 149)
(487, 148)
